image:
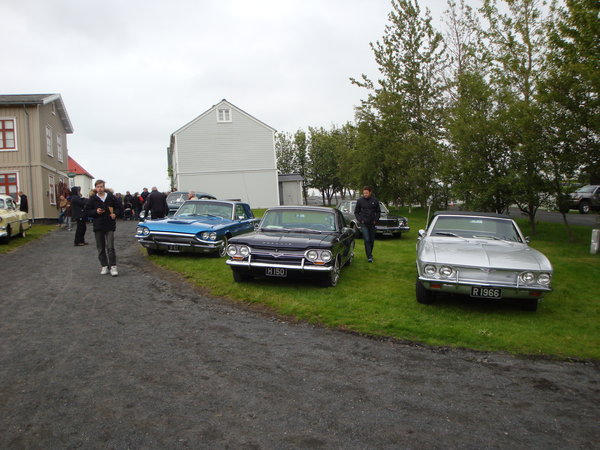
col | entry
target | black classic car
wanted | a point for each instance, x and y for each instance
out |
(294, 241)
(387, 225)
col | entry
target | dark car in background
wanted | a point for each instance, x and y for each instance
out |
(294, 241)
(387, 225)
(586, 198)
(177, 198)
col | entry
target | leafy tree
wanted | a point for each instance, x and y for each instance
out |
(324, 167)
(285, 153)
(399, 124)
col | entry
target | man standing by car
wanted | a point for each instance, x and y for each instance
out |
(102, 207)
(78, 215)
(156, 203)
(367, 214)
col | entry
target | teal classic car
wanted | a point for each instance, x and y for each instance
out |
(199, 226)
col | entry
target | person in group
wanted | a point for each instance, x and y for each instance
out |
(156, 203)
(102, 207)
(367, 214)
(23, 204)
(119, 198)
(64, 218)
(144, 195)
(192, 196)
(137, 205)
(78, 214)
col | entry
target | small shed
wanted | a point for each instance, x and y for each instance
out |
(290, 189)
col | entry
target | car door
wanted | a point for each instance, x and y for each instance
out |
(345, 239)
(244, 219)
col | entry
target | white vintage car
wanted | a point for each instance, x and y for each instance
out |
(483, 255)
(12, 221)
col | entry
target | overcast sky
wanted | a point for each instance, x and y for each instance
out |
(132, 72)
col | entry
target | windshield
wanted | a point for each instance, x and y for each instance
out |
(586, 189)
(298, 220)
(177, 197)
(207, 208)
(476, 227)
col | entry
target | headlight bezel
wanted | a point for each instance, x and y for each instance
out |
(238, 251)
(142, 231)
(318, 256)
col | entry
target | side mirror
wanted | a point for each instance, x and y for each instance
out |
(347, 231)
(421, 233)
(527, 239)
(241, 217)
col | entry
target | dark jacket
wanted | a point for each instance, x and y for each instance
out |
(156, 202)
(367, 210)
(23, 204)
(102, 222)
(77, 204)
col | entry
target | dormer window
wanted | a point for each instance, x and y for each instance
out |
(223, 115)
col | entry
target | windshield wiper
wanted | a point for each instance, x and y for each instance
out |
(483, 236)
(306, 230)
(445, 233)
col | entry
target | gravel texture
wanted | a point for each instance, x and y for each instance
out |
(144, 360)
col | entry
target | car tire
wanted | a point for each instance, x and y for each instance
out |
(22, 231)
(6, 239)
(424, 296)
(240, 277)
(584, 207)
(222, 250)
(334, 276)
(530, 304)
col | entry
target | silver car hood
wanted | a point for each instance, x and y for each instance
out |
(481, 253)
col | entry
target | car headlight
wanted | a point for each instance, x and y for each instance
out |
(527, 277)
(446, 271)
(326, 256)
(429, 270)
(231, 250)
(208, 236)
(212, 236)
(143, 231)
(544, 279)
(312, 255)
(244, 251)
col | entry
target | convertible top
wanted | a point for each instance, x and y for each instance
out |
(470, 213)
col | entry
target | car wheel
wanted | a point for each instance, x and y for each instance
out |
(240, 277)
(530, 304)
(424, 296)
(223, 250)
(334, 276)
(351, 257)
(356, 228)
(6, 239)
(584, 207)
(22, 231)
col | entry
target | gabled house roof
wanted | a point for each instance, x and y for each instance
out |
(75, 167)
(40, 99)
(214, 107)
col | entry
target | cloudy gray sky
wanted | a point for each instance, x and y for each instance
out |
(132, 72)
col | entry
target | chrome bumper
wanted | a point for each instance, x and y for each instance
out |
(249, 265)
(464, 288)
(193, 245)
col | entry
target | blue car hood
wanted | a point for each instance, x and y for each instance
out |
(187, 224)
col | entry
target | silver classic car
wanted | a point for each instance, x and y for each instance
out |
(483, 255)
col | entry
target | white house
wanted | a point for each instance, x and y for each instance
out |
(228, 153)
(78, 176)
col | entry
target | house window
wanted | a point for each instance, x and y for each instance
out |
(59, 148)
(7, 134)
(8, 184)
(49, 141)
(223, 115)
(51, 190)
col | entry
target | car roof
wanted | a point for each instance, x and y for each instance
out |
(471, 213)
(214, 200)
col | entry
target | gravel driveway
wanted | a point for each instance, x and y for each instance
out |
(144, 360)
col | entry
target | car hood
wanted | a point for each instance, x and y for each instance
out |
(187, 225)
(286, 240)
(482, 253)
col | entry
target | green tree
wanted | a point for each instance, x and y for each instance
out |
(324, 163)
(285, 153)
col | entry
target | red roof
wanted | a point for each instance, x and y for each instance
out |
(75, 168)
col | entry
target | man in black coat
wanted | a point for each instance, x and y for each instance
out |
(78, 215)
(23, 204)
(102, 207)
(156, 203)
(367, 214)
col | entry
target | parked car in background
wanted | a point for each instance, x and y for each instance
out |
(198, 226)
(12, 221)
(178, 198)
(294, 241)
(482, 255)
(387, 225)
(586, 198)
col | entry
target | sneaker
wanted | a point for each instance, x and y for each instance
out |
(370, 260)
(104, 270)
(113, 271)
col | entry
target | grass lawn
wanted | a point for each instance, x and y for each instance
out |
(379, 299)
(35, 232)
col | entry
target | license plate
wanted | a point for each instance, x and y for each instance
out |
(173, 248)
(484, 292)
(275, 272)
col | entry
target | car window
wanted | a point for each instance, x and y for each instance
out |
(480, 227)
(2, 203)
(383, 208)
(586, 189)
(240, 212)
(223, 210)
(9, 203)
(295, 219)
(176, 197)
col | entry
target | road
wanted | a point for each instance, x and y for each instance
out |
(145, 360)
